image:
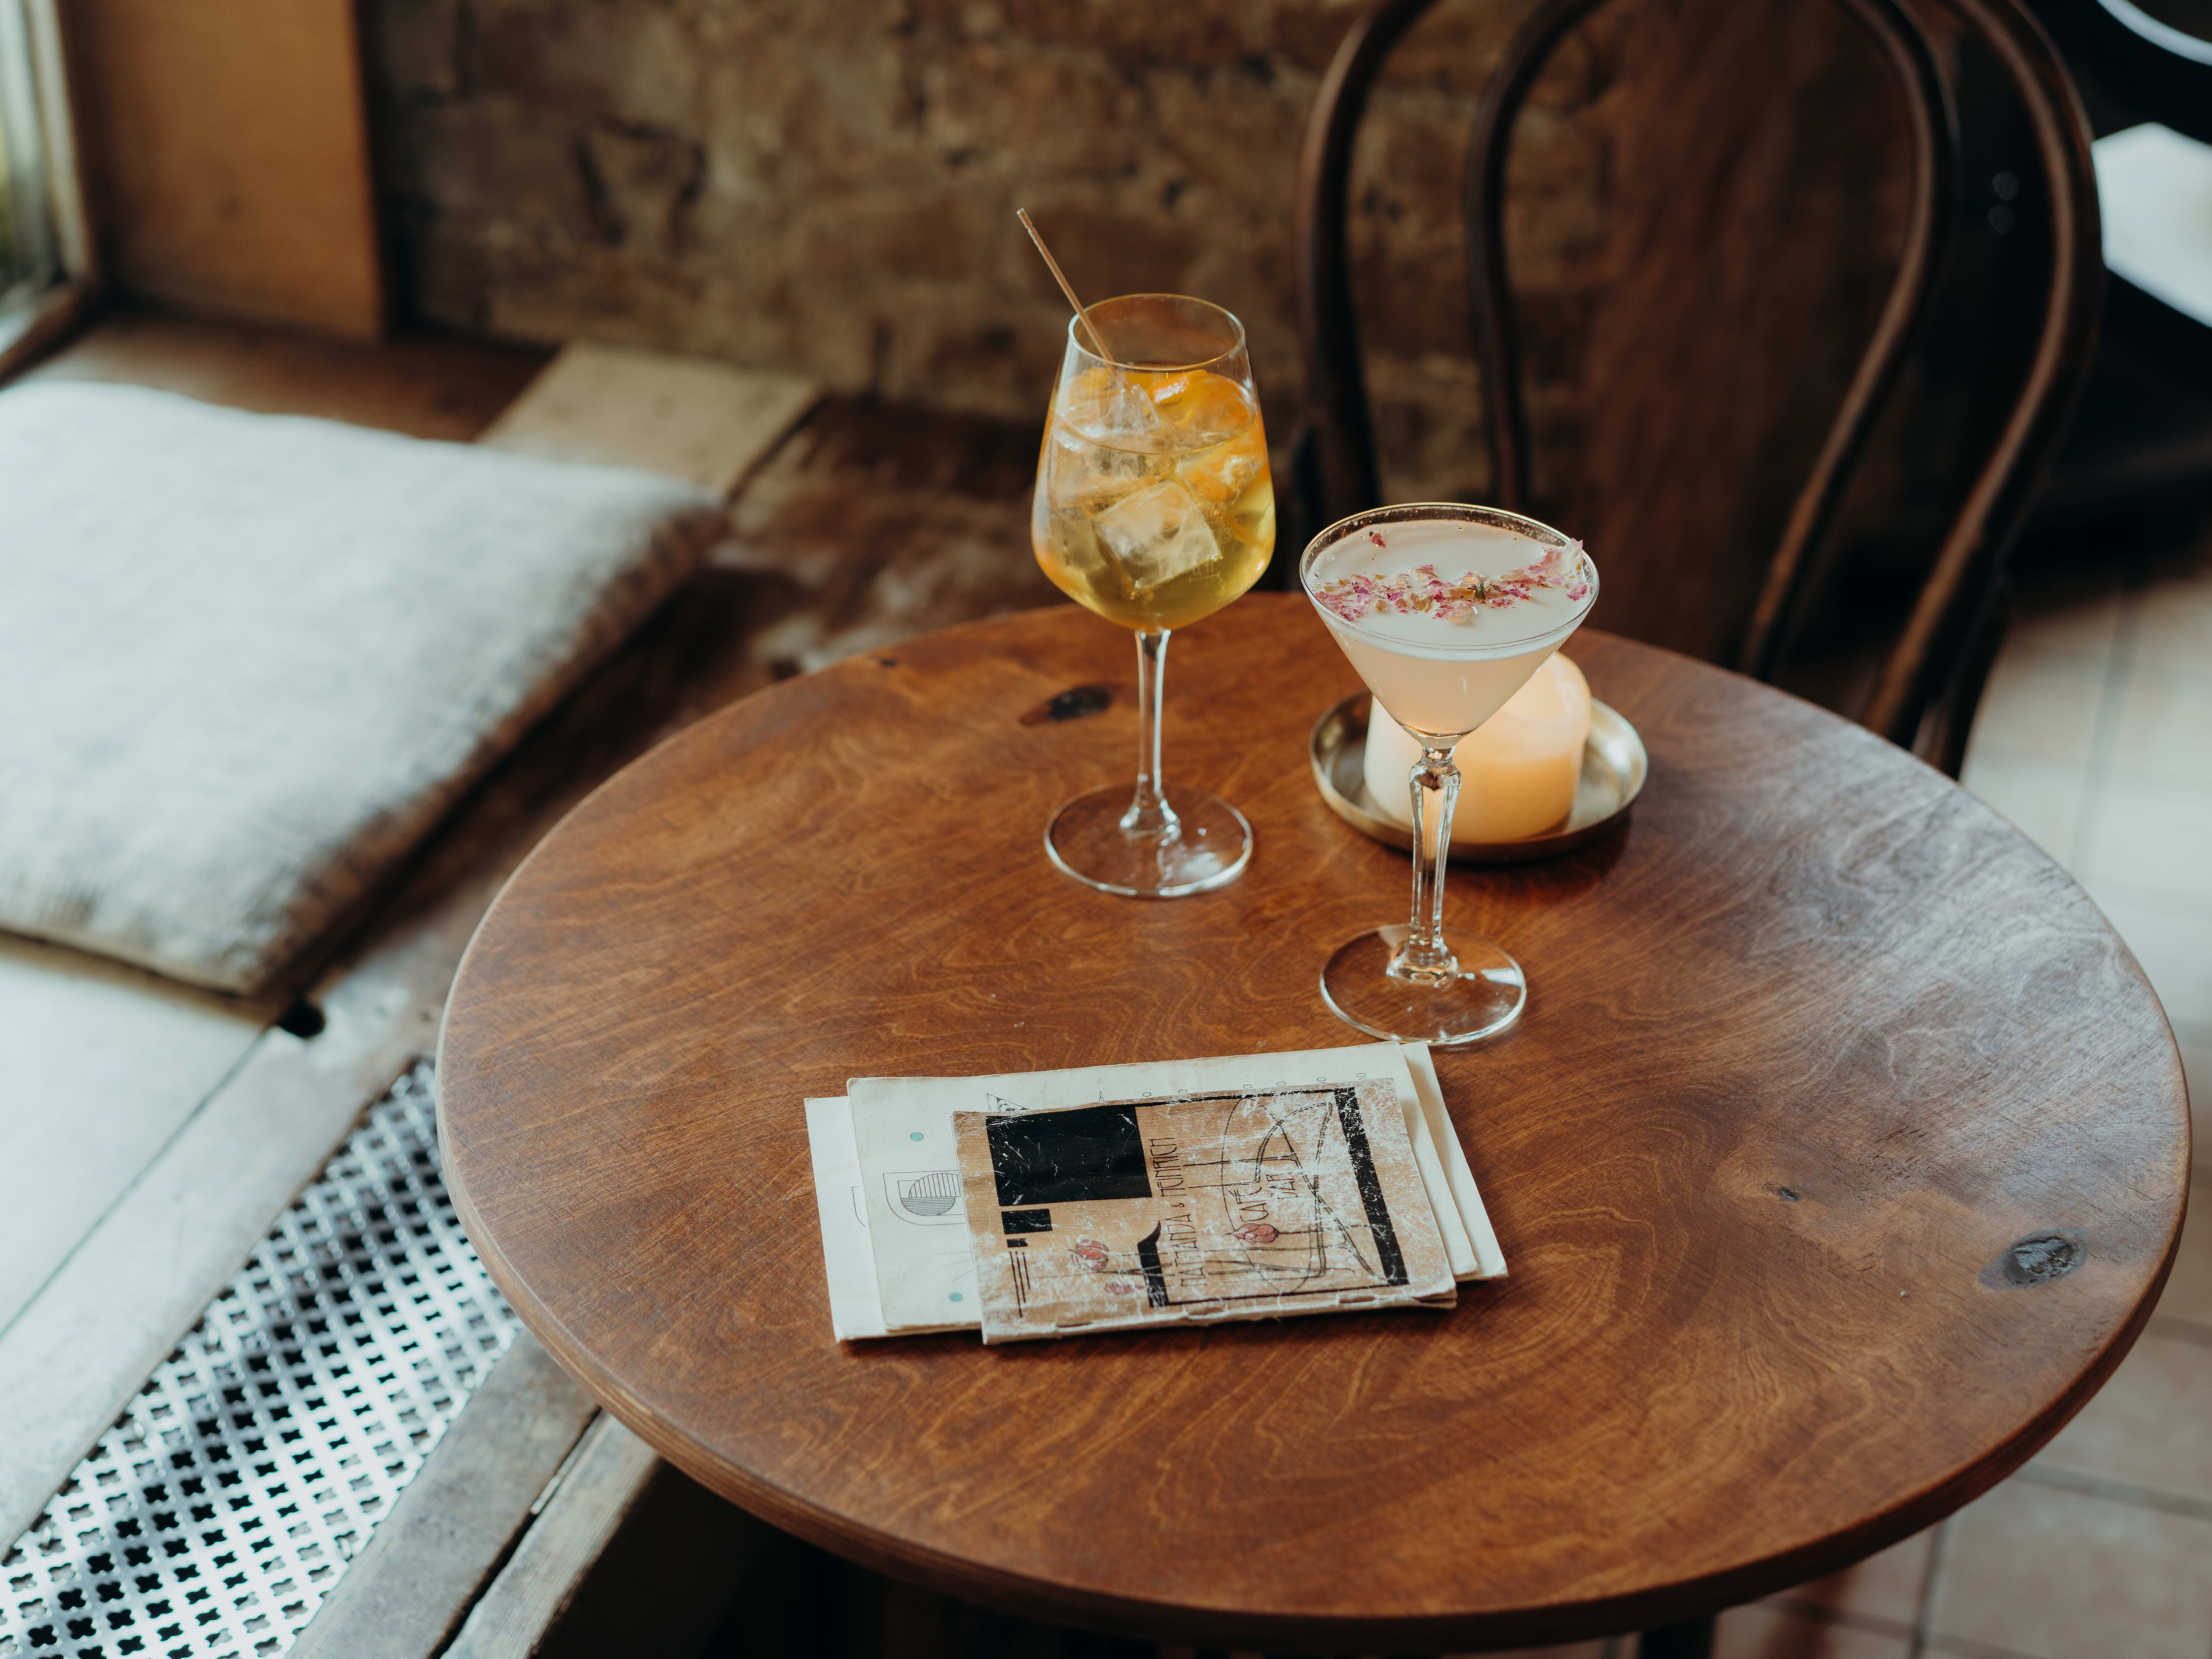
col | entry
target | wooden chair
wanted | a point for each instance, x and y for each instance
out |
(1752, 607)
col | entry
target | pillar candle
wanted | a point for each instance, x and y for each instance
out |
(1518, 770)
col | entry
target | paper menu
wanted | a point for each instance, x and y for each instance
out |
(1243, 1204)
(902, 1132)
(935, 1286)
(1459, 1198)
(855, 1308)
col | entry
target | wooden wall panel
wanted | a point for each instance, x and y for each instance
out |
(230, 153)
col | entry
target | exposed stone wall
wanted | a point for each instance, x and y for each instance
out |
(829, 186)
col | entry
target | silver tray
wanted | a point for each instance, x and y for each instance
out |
(1614, 769)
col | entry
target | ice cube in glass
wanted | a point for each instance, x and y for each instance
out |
(1155, 535)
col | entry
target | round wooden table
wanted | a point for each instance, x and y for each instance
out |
(1812, 1046)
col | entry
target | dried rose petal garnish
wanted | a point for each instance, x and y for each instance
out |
(1421, 590)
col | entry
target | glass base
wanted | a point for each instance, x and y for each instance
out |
(1484, 997)
(1086, 840)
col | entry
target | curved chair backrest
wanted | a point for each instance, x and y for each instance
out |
(1938, 659)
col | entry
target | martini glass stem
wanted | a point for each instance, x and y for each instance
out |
(1150, 816)
(1424, 958)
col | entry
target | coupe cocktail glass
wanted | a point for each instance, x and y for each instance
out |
(1154, 508)
(1445, 610)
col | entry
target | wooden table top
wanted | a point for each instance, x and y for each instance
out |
(1811, 1046)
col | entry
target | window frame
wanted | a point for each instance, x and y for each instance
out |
(41, 308)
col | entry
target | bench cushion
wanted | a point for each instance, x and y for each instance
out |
(247, 661)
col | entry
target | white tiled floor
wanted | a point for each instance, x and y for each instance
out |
(2095, 739)
(2041, 1570)
(2129, 808)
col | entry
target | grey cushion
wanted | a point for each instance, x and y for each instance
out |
(248, 660)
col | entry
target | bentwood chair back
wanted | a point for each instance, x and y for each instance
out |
(1685, 564)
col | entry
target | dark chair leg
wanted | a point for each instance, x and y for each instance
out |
(1301, 512)
(1693, 1639)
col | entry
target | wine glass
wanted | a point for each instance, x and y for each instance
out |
(1154, 507)
(1445, 610)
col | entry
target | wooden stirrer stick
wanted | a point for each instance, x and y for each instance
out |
(1097, 341)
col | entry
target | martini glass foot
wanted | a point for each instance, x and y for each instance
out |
(1210, 844)
(1483, 998)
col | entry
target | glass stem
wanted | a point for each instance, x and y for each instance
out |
(1424, 956)
(1149, 815)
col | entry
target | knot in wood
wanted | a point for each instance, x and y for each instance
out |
(1072, 704)
(2037, 1260)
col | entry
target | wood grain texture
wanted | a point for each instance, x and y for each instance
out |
(1809, 963)
(229, 148)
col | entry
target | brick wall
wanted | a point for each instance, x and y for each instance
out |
(829, 186)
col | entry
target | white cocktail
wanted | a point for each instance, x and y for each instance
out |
(1445, 610)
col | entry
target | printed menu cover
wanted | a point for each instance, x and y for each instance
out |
(1241, 1204)
(887, 1180)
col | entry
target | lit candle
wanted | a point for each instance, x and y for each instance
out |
(1519, 768)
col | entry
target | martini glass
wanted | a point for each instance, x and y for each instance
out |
(1154, 508)
(1445, 610)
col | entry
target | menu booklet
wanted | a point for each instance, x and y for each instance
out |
(1046, 1204)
